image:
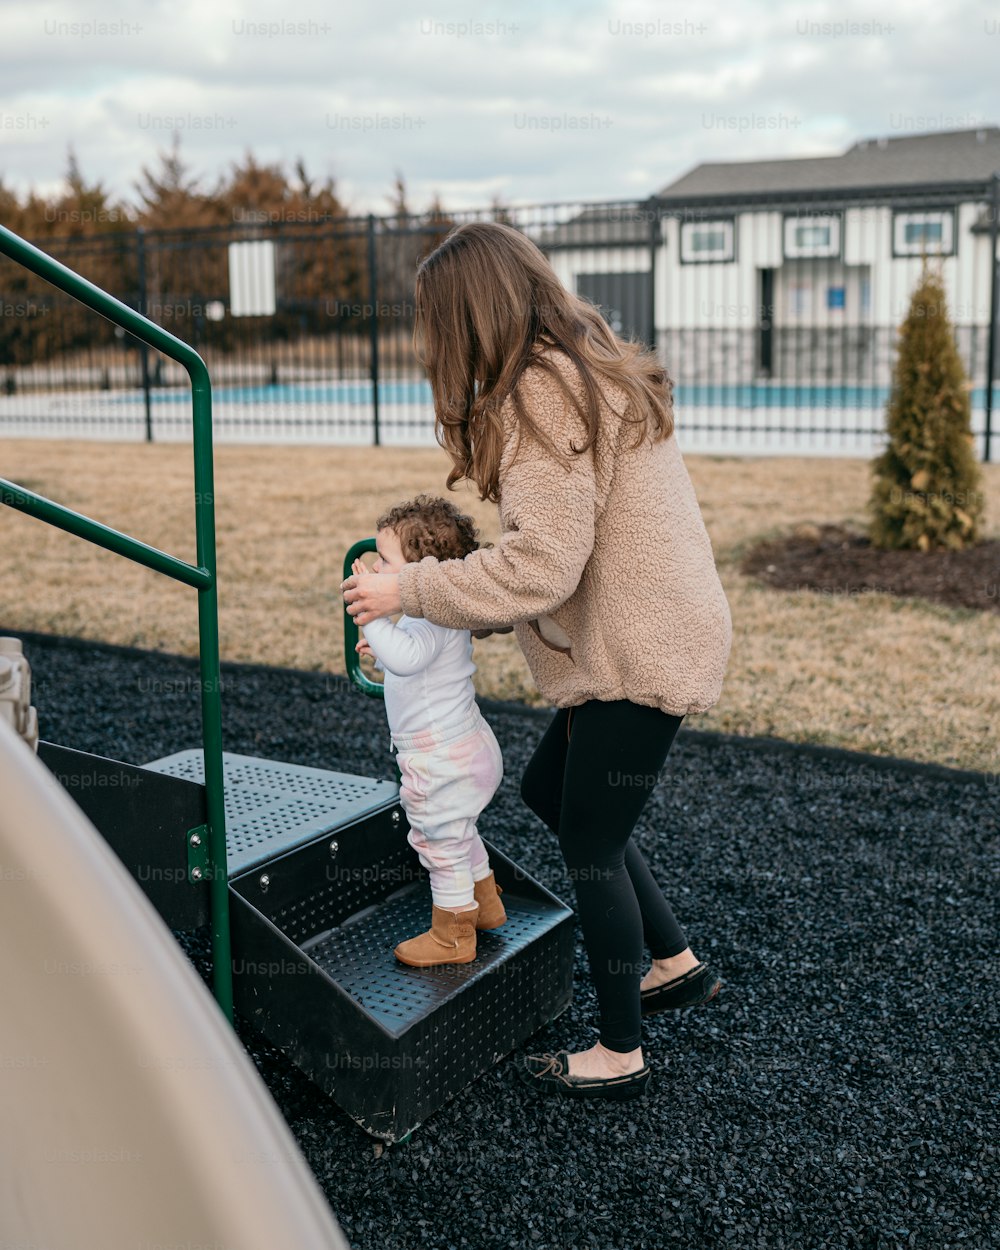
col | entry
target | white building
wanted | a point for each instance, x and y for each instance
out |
(766, 274)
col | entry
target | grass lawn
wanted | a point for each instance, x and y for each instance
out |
(870, 672)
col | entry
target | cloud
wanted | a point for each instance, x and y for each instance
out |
(541, 102)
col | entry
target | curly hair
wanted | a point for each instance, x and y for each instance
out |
(431, 526)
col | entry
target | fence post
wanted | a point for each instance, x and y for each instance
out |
(994, 328)
(655, 232)
(140, 247)
(373, 321)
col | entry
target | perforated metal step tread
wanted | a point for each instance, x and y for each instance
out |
(358, 955)
(272, 807)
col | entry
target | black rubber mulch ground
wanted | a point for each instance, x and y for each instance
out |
(838, 561)
(840, 1092)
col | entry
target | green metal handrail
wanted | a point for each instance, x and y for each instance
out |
(201, 576)
(351, 635)
(27, 501)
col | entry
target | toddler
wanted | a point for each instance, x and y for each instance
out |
(449, 760)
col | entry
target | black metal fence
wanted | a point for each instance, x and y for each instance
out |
(776, 317)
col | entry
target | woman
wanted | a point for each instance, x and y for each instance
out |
(606, 573)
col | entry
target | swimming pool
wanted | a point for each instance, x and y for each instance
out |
(416, 393)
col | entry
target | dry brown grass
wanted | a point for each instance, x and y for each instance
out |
(871, 672)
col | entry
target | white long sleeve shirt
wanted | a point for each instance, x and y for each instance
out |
(428, 673)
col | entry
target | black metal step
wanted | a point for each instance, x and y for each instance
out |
(358, 955)
(272, 807)
(146, 819)
(146, 813)
(322, 886)
(314, 971)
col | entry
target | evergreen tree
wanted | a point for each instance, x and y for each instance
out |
(399, 205)
(500, 212)
(437, 224)
(46, 324)
(334, 271)
(85, 208)
(319, 198)
(258, 193)
(179, 279)
(925, 492)
(170, 196)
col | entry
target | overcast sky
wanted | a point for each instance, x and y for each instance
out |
(536, 102)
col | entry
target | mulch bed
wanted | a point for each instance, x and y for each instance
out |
(838, 1094)
(835, 560)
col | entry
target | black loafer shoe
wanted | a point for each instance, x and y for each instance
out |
(549, 1074)
(691, 988)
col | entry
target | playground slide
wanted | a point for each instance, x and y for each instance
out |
(130, 1115)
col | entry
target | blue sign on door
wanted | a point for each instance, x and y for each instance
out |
(835, 297)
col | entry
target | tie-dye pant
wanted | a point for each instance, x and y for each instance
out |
(446, 780)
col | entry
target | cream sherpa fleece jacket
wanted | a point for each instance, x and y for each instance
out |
(604, 568)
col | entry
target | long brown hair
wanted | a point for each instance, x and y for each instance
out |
(487, 300)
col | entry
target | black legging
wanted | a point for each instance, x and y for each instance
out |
(590, 791)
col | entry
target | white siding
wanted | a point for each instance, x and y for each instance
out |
(726, 293)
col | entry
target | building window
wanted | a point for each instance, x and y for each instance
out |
(706, 241)
(812, 236)
(932, 232)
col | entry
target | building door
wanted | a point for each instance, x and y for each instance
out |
(625, 300)
(765, 323)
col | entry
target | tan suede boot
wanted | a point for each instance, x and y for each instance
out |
(491, 911)
(451, 939)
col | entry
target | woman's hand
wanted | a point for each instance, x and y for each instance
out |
(371, 595)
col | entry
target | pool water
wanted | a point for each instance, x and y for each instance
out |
(416, 393)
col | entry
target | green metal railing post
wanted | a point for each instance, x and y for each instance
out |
(211, 687)
(202, 577)
(363, 682)
(140, 259)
